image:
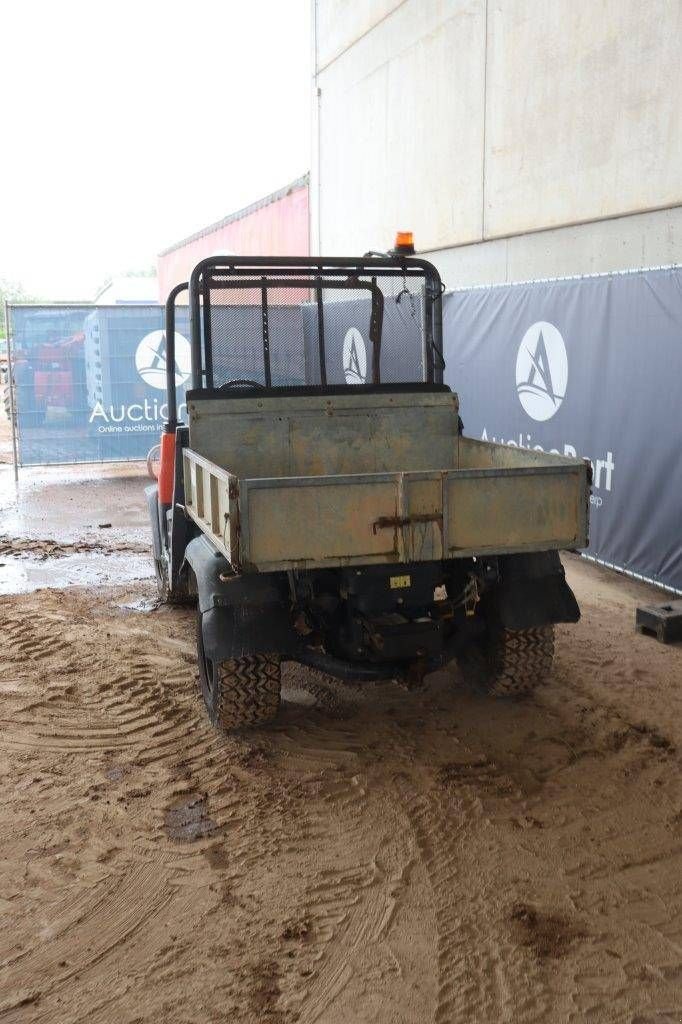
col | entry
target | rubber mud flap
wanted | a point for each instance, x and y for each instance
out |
(533, 592)
(152, 496)
(217, 584)
(240, 615)
(237, 631)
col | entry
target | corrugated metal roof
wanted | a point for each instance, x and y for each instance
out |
(293, 186)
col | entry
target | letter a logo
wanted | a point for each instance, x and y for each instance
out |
(541, 370)
(354, 357)
(150, 359)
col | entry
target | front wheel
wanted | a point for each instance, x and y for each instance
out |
(509, 662)
(239, 693)
(165, 594)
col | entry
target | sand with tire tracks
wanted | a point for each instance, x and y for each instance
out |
(374, 856)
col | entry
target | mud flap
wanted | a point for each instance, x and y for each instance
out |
(235, 632)
(152, 496)
(182, 528)
(533, 591)
(240, 615)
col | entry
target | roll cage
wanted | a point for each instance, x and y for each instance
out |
(294, 317)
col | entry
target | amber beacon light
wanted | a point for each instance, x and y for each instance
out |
(404, 244)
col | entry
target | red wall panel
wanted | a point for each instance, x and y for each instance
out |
(275, 228)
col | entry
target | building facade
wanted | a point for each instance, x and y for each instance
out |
(274, 226)
(518, 139)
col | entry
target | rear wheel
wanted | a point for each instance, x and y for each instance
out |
(239, 693)
(509, 662)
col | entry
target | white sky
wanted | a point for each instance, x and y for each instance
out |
(127, 126)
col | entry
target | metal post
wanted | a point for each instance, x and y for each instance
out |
(320, 333)
(195, 325)
(12, 404)
(208, 346)
(266, 334)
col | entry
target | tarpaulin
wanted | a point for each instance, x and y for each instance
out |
(90, 382)
(589, 367)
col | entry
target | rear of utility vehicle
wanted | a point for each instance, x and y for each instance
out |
(323, 505)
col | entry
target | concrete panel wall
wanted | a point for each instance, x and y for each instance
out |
(518, 138)
(623, 243)
(341, 23)
(400, 130)
(583, 113)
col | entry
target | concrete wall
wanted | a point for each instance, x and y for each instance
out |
(516, 138)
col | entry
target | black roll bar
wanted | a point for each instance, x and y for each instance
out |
(221, 271)
(171, 394)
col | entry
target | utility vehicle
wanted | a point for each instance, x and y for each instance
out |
(322, 505)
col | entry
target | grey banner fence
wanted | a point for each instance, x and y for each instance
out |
(90, 381)
(587, 366)
(590, 367)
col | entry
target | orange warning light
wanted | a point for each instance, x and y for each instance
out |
(404, 243)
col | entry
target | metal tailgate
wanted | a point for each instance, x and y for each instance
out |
(326, 521)
(323, 521)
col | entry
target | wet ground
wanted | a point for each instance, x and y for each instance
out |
(373, 856)
(77, 525)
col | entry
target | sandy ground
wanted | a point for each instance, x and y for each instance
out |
(375, 856)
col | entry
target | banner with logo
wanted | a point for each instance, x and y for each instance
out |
(347, 345)
(588, 367)
(91, 381)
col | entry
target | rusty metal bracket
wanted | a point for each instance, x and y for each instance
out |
(393, 522)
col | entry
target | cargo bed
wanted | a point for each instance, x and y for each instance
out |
(265, 479)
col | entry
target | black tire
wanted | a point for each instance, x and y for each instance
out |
(153, 456)
(162, 586)
(239, 693)
(166, 595)
(161, 573)
(509, 662)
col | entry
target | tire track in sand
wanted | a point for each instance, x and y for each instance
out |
(444, 809)
(83, 936)
(364, 856)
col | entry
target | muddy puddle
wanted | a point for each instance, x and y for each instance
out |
(21, 575)
(188, 819)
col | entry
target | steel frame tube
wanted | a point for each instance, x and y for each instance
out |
(288, 266)
(171, 393)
